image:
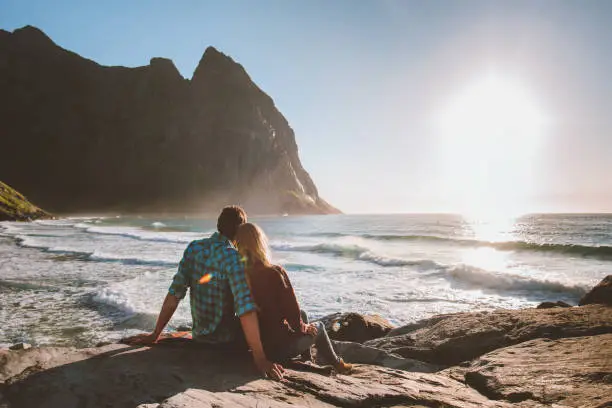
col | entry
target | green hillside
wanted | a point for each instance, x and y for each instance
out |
(15, 207)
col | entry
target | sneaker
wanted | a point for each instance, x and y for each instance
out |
(343, 368)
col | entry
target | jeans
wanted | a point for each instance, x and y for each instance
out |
(302, 343)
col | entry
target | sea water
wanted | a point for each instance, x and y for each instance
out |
(80, 281)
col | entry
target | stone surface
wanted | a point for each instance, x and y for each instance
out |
(600, 294)
(164, 377)
(362, 354)
(451, 339)
(576, 372)
(20, 346)
(81, 137)
(550, 305)
(355, 327)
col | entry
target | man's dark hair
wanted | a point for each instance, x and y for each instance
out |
(230, 219)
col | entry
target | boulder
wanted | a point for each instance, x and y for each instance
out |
(171, 377)
(356, 327)
(458, 337)
(600, 294)
(20, 346)
(576, 372)
(362, 354)
(550, 305)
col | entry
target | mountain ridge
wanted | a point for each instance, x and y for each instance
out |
(144, 138)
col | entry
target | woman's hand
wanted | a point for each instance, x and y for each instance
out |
(311, 329)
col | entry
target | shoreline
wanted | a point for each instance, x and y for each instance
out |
(556, 356)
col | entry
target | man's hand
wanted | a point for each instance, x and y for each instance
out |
(269, 369)
(311, 329)
(142, 339)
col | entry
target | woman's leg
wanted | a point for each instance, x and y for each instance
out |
(324, 344)
(306, 355)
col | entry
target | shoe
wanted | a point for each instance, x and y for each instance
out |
(343, 368)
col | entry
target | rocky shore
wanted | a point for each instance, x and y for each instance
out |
(555, 356)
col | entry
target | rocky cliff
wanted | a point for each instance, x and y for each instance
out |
(15, 207)
(79, 136)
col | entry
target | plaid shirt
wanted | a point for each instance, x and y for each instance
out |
(223, 293)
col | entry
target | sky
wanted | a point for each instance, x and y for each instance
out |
(397, 105)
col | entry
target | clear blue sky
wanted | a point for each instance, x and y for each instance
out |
(364, 83)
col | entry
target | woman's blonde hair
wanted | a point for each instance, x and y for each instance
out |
(252, 243)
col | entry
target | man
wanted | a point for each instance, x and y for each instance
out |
(214, 273)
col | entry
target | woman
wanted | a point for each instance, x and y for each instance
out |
(283, 332)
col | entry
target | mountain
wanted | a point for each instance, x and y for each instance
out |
(15, 207)
(80, 137)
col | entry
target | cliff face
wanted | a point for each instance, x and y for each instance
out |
(84, 137)
(15, 207)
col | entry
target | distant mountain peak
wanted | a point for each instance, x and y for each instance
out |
(33, 34)
(165, 66)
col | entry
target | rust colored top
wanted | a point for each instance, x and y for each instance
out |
(278, 309)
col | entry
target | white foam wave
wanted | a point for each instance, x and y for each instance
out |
(144, 235)
(357, 252)
(158, 224)
(115, 298)
(132, 260)
(476, 278)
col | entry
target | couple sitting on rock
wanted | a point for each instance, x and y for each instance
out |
(234, 285)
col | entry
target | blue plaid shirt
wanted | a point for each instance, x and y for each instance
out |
(221, 295)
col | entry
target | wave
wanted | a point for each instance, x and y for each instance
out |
(84, 255)
(131, 260)
(475, 278)
(116, 299)
(158, 224)
(143, 235)
(357, 252)
(601, 252)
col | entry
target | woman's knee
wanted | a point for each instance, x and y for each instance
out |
(320, 329)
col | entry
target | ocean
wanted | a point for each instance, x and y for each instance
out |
(81, 281)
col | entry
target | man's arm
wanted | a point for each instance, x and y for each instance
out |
(167, 311)
(246, 309)
(176, 292)
(250, 326)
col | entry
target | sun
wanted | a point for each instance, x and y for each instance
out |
(488, 137)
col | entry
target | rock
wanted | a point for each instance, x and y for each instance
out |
(15, 207)
(550, 305)
(20, 346)
(65, 115)
(361, 354)
(355, 327)
(398, 331)
(463, 336)
(164, 377)
(600, 294)
(576, 372)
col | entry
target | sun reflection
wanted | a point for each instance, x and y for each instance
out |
(491, 228)
(486, 258)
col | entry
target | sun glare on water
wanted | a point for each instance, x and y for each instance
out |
(489, 135)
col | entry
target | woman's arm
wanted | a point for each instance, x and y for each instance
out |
(289, 304)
